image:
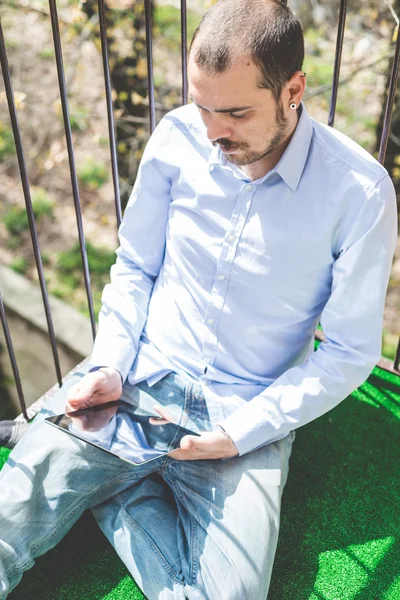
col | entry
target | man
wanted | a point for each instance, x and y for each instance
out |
(249, 222)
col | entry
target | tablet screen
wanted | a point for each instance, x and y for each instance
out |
(122, 430)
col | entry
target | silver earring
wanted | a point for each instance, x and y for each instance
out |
(293, 106)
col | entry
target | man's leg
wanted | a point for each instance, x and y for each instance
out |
(141, 522)
(204, 530)
(142, 525)
(48, 481)
(229, 521)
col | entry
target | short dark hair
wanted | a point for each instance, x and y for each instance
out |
(266, 30)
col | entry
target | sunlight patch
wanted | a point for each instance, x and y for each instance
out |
(343, 573)
(393, 592)
(378, 398)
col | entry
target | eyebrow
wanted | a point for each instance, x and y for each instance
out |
(223, 110)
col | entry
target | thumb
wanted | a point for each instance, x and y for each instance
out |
(83, 390)
(187, 443)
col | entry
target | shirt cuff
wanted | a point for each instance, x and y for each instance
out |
(93, 369)
(241, 428)
(115, 355)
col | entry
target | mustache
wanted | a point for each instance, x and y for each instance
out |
(227, 144)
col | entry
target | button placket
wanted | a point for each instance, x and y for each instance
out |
(218, 293)
(247, 194)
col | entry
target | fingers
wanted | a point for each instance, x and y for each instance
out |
(166, 416)
(81, 392)
(157, 421)
(104, 385)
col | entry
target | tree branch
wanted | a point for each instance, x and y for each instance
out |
(328, 86)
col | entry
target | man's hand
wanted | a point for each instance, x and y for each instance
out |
(95, 388)
(209, 445)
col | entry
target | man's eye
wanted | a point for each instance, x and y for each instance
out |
(237, 115)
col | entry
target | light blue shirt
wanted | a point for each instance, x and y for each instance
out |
(225, 279)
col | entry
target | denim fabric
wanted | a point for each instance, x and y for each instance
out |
(185, 529)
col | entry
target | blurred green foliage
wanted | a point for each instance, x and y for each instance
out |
(100, 260)
(92, 175)
(20, 265)
(16, 220)
(78, 117)
(167, 25)
(42, 203)
(70, 274)
(389, 344)
(319, 69)
(7, 147)
(16, 217)
(46, 259)
(47, 53)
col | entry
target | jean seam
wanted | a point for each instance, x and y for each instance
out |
(152, 545)
(21, 568)
(194, 535)
(193, 546)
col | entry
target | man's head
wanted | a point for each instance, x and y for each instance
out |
(247, 55)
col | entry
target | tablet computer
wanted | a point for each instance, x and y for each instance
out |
(122, 430)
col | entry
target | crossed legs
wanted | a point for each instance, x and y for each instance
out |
(194, 529)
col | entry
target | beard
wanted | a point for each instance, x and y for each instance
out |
(248, 157)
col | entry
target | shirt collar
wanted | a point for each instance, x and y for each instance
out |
(291, 164)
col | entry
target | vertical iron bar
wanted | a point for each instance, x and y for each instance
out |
(28, 200)
(68, 136)
(386, 131)
(149, 49)
(338, 59)
(13, 360)
(390, 101)
(397, 358)
(110, 115)
(184, 50)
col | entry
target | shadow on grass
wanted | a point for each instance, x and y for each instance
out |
(342, 492)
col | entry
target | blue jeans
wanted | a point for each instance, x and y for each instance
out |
(203, 530)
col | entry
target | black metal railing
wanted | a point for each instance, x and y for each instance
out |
(112, 141)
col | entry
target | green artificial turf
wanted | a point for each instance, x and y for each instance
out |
(340, 533)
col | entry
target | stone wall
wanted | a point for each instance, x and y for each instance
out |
(28, 328)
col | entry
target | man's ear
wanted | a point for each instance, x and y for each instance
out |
(295, 87)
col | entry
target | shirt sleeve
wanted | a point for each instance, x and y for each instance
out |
(139, 257)
(352, 323)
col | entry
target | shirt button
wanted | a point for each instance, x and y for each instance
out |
(221, 277)
(231, 237)
(210, 321)
(248, 188)
(207, 359)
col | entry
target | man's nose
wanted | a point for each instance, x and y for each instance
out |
(217, 127)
